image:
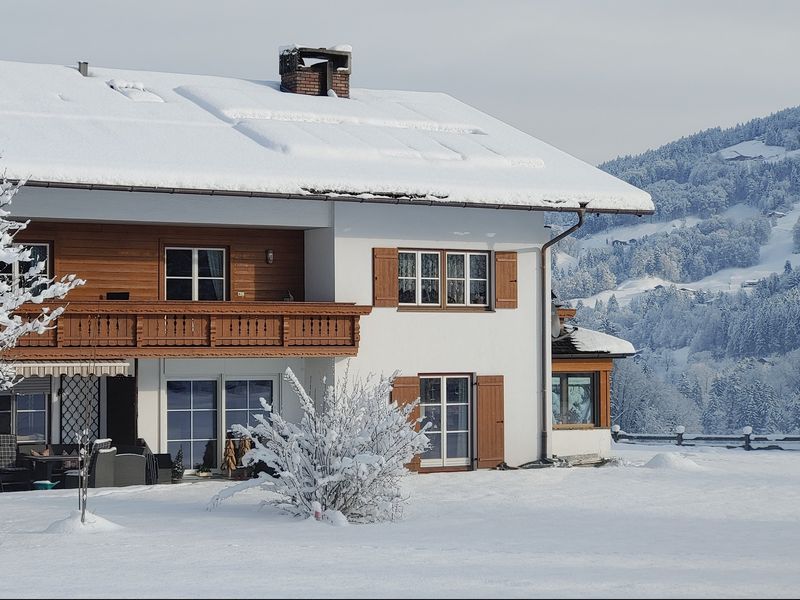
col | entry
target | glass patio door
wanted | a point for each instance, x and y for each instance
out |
(445, 404)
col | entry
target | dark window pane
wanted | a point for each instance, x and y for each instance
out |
(179, 289)
(210, 263)
(435, 450)
(580, 407)
(6, 269)
(5, 403)
(457, 390)
(455, 292)
(5, 422)
(432, 415)
(179, 263)
(260, 389)
(204, 394)
(477, 266)
(31, 427)
(430, 291)
(457, 445)
(235, 417)
(408, 291)
(204, 454)
(204, 424)
(178, 394)
(31, 401)
(211, 289)
(235, 394)
(455, 265)
(477, 292)
(556, 394)
(172, 448)
(430, 265)
(458, 418)
(408, 264)
(430, 390)
(179, 425)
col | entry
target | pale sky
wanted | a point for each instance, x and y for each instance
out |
(596, 79)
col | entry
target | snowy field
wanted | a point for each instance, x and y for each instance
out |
(700, 523)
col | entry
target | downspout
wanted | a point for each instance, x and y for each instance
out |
(546, 350)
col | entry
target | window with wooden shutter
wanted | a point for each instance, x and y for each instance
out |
(489, 421)
(505, 285)
(405, 390)
(384, 274)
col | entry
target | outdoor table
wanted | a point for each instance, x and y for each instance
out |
(43, 465)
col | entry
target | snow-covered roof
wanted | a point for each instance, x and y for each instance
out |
(166, 130)
(579, 340)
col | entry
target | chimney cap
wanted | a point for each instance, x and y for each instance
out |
(83, 68)
(292, 57)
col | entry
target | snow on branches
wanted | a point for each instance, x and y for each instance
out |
(31, 286)
(349, 456)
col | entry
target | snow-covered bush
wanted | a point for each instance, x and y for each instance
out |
(32, 286)
(349, 456)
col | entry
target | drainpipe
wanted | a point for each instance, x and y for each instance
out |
(546, 350)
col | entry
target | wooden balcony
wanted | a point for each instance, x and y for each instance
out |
(125, 329)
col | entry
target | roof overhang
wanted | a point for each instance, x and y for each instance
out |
(83, 368)
(329, 197)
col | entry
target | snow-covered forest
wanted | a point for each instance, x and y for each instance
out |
(723, 347)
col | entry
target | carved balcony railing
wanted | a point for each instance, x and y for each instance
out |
(128, 329)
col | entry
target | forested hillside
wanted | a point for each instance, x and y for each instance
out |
(727, 205)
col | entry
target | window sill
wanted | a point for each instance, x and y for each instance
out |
(423, 470)
(577, 426)
(439, 309)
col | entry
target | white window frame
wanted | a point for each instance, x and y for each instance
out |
(467, 279)
(15, 274)
(275, 396)
(195, 278)
(14, 411)
(444, 461)
(190, 468)
(418, 278)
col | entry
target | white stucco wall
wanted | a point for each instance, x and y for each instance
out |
(504, 342)
(577, 442)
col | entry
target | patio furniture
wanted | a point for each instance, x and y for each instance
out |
(164, 462)
(129, 469)
(101, 467)
(44, 485)
(48, 467)
(12, 474)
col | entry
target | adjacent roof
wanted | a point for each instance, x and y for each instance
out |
(578, 341)
(193, 132)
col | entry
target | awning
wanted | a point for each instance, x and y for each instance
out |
(73, 367)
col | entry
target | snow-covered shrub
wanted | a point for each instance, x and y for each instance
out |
(349, 456)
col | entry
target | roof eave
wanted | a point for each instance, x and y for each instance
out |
(387, 199)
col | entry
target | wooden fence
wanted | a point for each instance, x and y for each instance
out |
(679, 437)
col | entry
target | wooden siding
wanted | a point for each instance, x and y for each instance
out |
(405, 390)
(490, 421)
(111, 329)
(130, 258)
(602, 367)
(505, 289)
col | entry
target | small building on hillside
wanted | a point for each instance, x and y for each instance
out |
(581, 389)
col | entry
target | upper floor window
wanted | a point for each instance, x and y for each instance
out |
(16, 274)
(463, 276)
(195, 274)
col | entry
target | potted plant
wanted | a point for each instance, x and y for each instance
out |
(203, 471)
(177, 466)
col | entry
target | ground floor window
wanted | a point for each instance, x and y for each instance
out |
(25, 415)
(243, 401)
(574, 399)
(445, 403)
(192, 421)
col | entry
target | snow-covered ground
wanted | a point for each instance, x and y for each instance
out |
(701, 523)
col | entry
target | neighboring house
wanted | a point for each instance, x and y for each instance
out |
(228, 229)
(581, 388)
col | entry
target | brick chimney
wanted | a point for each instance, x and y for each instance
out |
(315, 71)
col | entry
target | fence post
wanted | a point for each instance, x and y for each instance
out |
(747, 431)
(680, 430)
(615, 432)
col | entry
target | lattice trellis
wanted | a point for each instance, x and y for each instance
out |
(79, 395)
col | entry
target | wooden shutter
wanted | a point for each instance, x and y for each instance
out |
(384, 276)
(489, 421)
(405, 390)
(505, 280)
